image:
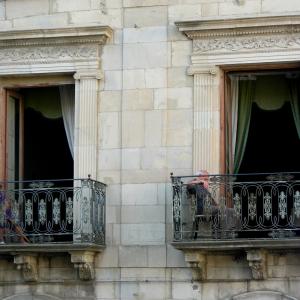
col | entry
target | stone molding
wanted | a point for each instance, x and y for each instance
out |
(271, 295)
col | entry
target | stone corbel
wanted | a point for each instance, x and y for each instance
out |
(84, 262)
(197, 261)
(28, 264)
(257, 260)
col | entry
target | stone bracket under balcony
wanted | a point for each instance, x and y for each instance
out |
(257, 254)
(25, 257)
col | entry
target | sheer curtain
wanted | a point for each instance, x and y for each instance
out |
(67, 97)
(245, 99)
(294, 96)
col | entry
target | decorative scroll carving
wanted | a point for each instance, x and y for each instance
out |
(246, 43)
(258, 263)
(84, 262)
(28, 265)
(197, 262)
(47, 54)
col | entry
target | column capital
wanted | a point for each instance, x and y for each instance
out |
(205, 70)
(88, 74)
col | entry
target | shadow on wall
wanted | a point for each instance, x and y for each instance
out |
(30, 297)
(262, 295)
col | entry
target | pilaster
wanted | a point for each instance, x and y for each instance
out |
(206, 139)
(86, 128)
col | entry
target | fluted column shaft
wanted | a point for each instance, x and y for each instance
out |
(86, 127)
(206, 139)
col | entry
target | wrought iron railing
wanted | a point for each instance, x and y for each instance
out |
(56, 211)
(245, 206)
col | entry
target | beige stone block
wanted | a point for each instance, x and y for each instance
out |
(183, 290)
(86, 17)
(74, 5)
(160, 98)
(143, 274)
(106, 290)
(140, 214)
(228, 289)
(179, 128)
(112, 80)
(180, 98)
(210, 9)
(157, 256)
(141, 99)
(113, 214)
(131, 158)
(153, 128)
(144, 176)
(181, 52)
(153, 158)
(132, 256)
(177, 77)
(133, 129)
(112, 57)
(114, 18)
(145, 16)
(145, 34)
(134, 3)
(145, 55)
(110, 159)
(21, 8)
(107, 273)
(110, 101)
(143, 234)
(139, 194)
(280, 6)
(179, 158)
(184, 12)
(232, 8)
(156, 78)
(279, 285)
(114, 4)
(2, 10)
(157, 290)
(175, 258)
(113, 193)
(5, 25)
(134, 79)
(109, 177)
(109, 130)
(39, 22)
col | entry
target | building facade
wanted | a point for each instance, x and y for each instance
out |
(151, 84)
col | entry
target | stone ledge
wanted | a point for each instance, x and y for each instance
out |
(241, 244)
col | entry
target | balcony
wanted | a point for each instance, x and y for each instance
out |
(255, 213)
(57, 216)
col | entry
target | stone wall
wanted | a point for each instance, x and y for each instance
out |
(145, 132)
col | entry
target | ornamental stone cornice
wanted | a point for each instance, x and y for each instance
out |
(259, 34)
(213, 28)
(52, 50)
(60, 36)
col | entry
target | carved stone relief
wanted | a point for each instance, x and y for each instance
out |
(47, 54)
(246, 43)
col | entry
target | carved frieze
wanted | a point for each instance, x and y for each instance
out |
(246, 43)
(47, 54)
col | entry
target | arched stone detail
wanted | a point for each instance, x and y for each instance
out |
(263, 295)
(30, 297)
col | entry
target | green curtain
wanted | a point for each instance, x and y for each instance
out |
(246, 95)
(294, 93)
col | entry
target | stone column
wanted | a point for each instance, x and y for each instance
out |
(86, 125)
(206, 139)
(85, 152)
